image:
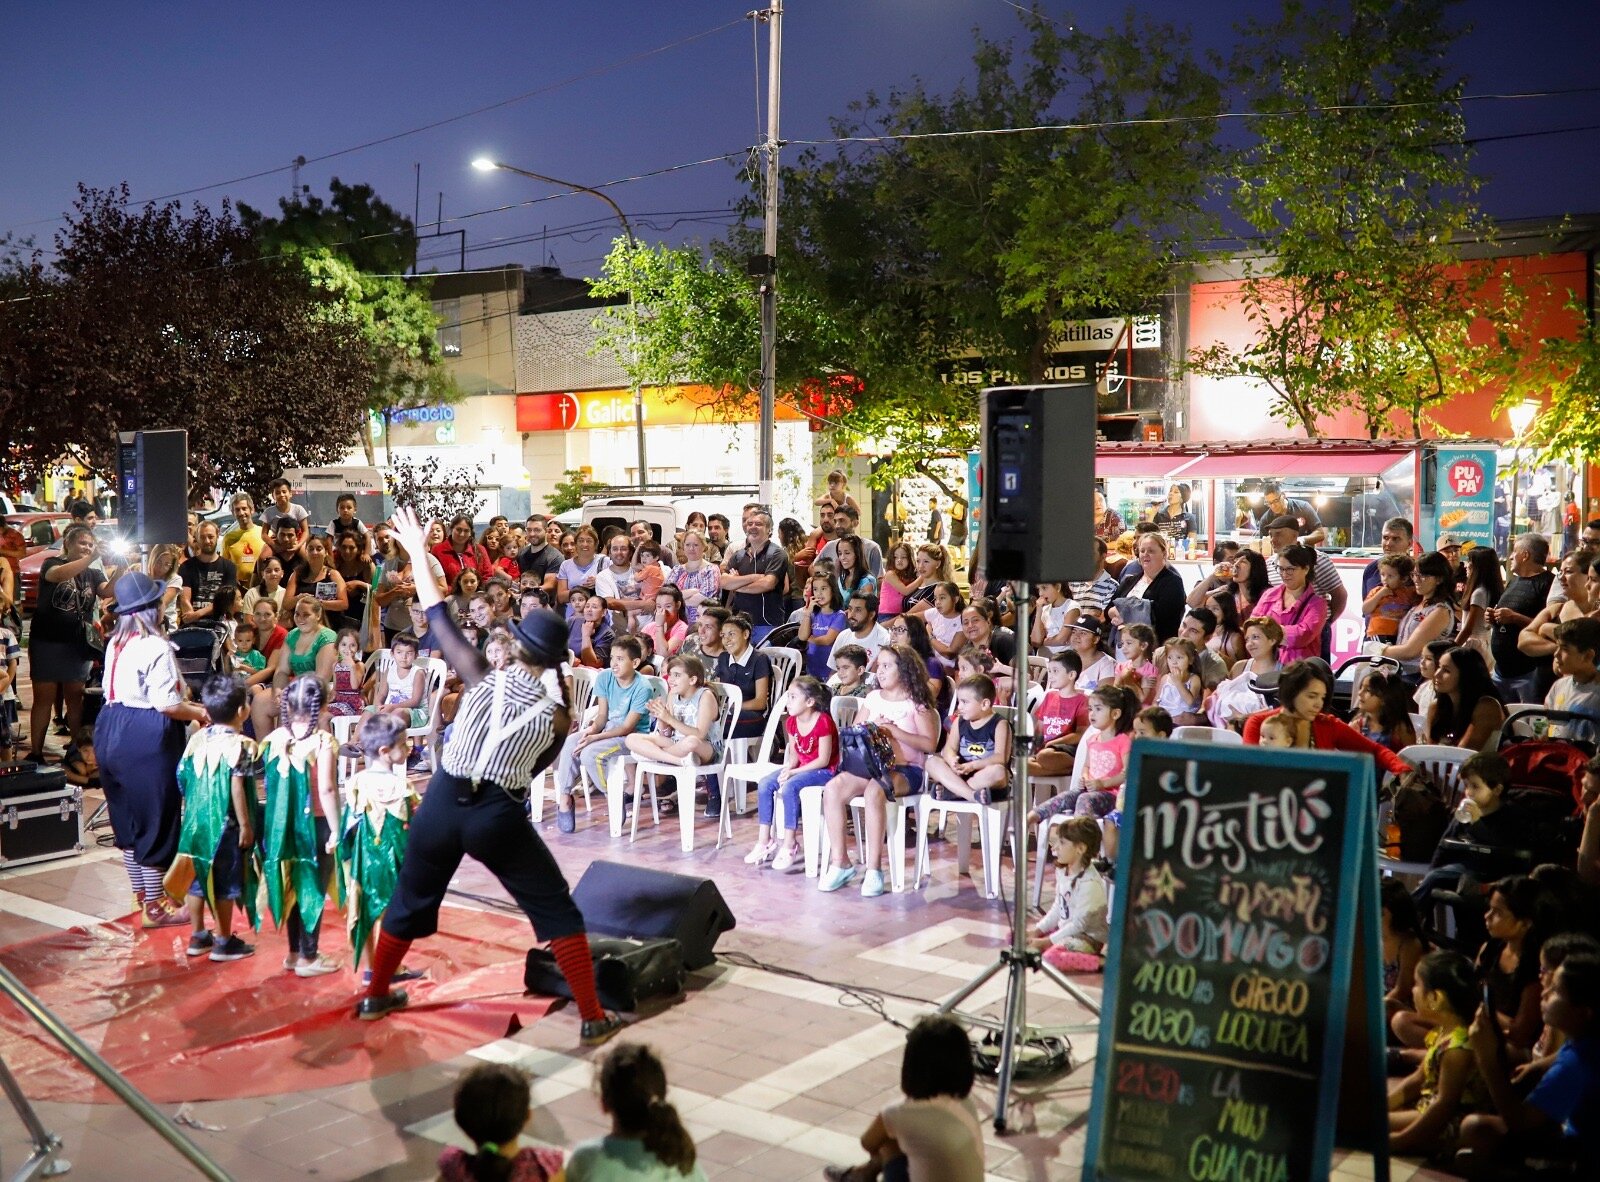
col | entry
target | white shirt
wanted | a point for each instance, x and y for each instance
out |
(940, 1137)
(872, 642)
(142, 672)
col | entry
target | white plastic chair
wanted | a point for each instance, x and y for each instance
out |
(1208, 734)
(582, 703)
(729, 701)
(1443, 765)
(991, 819)
(844, 711)
(344, 726)
(785, 668)
(739, 776)
(616, 785)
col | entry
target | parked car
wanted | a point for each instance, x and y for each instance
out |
(40, 529)
(111, 542)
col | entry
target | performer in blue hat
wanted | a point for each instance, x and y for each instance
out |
(139, 739)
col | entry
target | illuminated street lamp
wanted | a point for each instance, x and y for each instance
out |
(485, 164)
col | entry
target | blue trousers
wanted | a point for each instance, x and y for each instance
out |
(768, 789)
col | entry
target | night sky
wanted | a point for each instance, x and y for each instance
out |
(173, 97)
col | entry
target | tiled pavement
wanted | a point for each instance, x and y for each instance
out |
(774, 1075)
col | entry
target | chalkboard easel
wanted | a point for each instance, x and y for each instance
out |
(1243, 972)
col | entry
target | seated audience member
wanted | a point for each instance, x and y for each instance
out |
(1153, 722)
(666, 630)
(850, 678)
(1560, 1118)
(744, 667)
(1483, 821)
(1180, 690)
(621, 708)
(705, 642)
(976, 761)
(589, 634)
(1466, 709)
(1402, 942)
(1427, 668)
(911, 630)
(1383, 710)
(862, 628)
(1199, 628)
(1425, 1108)
(1061, 717)
(822, 621)
(1577, 686)
(811, 757)
(934, 1133)
(647, 1141)
(1085, 636)
(1101, 764)
(1304, 687)
(493, 1105)
(1136, 671)
(943, 618)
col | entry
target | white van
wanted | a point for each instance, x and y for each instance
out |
(666, 511)
(319, 490)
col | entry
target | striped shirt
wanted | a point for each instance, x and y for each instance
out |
(511, 765)
(1096, 594)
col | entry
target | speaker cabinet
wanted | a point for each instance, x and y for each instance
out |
(635, 902)
(153, 487)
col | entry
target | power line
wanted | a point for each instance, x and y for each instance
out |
(595, 71)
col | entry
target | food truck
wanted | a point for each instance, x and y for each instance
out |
(1203, 493)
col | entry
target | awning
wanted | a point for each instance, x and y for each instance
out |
(1148, 467)
(1280, 464)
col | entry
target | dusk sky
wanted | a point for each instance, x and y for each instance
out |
(174, 97)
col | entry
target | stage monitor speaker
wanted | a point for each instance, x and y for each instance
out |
(1038, 483)
(635, 902)
(153, 487)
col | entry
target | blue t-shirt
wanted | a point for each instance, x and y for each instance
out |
(622, 1159)
(1569, 1093)
(817, 654)
(622, 700)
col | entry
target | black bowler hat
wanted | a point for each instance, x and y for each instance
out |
(544, 634)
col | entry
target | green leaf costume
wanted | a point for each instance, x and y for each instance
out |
(374, 842)
(211, 760)
(289, 853)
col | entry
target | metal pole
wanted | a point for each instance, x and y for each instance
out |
(769, 284)
(633, 305)
(106, 1074)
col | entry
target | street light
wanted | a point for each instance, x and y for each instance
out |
(485, 164)
(1521, 416)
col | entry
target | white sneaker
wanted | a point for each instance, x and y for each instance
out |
(761, 852)
(784, 858)
(872, 884)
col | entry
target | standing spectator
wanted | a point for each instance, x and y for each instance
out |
(1485, 585)
(346, 522)
(278, 490)
(1397, 538)
(935, 521)
(319, 579)
(717, 533)
(203, 575)
(244, 542)
(583, 568)
(900, 580)
(397, 589)
(757, 574)
(847, 520)
(1108, 525)
(540, 558)
(1150, 578)
(162, 566)
(357, 571)
(1097, 592)
(699, 580)
(459, 552)
(59, 655)
(1275, 505)
(1174, 518)
(1516, 674)
(617, 584)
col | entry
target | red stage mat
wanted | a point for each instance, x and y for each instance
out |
(183, 1029)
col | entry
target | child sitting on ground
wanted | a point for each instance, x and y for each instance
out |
(647, 1139)
(1400, 928)
(217, 777)
(810, 759)
(1073, 933)
(493, 1105)
(1425, 1108)
(378, 805)
(934, 1133)
(976, 761)
(1552, 955)
(849, 678)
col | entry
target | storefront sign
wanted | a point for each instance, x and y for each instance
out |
(1466, 495)
(664, 406)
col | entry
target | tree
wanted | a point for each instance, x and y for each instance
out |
(572, 491)
(154, 318)
(1360, 193)
(437, 493)
(929, 243)
(357, 248)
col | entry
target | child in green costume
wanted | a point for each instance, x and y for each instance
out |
(217, 776)
(302, 802)
(379, 801)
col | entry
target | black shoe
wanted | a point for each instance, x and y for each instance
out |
(713, 806)
(370, 1009)
(599, 1030)
(232, 948)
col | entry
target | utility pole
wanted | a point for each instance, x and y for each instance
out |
(769, 280)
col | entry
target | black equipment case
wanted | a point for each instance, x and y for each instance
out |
(41, 815)
(626, 972)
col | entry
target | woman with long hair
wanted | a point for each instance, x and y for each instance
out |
(933, 567)
(904, 712)
(459, 551)
(59, 653)
(139, 739)
(1466, 709)
(162, 566)
(1249, 582)
(1304, 688)
(509, 727)
(1228, 640)
(1433, 618)
(850, 569)
(900, 579)
(310, 647)
(319, 578)
(913, 631)
(357, 571)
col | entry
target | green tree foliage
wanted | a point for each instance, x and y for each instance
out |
(156, 318)
(899, 253)
(572, 491)
(357, 247)
(1359, 192)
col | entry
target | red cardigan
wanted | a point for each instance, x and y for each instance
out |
(476, 557)
(1331, 734)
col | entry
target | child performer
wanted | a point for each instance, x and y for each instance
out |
(217, 775)
(379, 801)
(297, 763)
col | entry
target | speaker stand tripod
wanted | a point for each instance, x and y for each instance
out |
(1020, 959)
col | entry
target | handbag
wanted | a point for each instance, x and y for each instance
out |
(865, 751)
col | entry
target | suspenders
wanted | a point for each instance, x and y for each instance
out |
(500, 730)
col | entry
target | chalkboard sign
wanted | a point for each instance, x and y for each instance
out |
(1244, 930)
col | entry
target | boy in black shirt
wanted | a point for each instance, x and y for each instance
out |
(1483, 821)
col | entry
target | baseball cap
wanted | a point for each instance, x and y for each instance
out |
(1449, 542)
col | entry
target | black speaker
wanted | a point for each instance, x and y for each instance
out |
(626, 972)
(1038, 483)
(634, 902)
(153, 486)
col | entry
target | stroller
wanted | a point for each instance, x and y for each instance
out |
(201, 652)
